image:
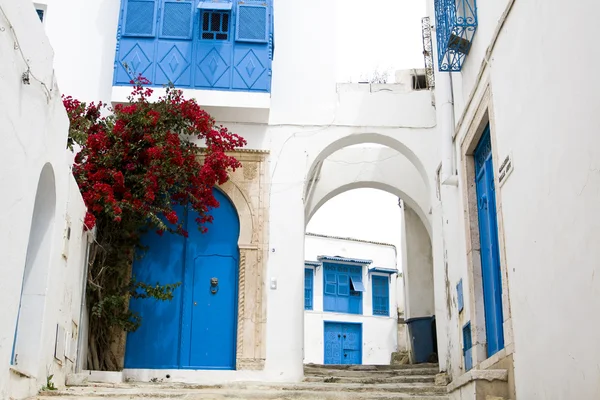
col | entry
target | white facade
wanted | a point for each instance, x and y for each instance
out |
(379, 333)
(517, 77)
(41, 224)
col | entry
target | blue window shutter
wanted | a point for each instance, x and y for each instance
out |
(177, 19)
(459, 295)
(140, 18)
(252, 23)
(467, 346)
(330, 283)
(343, 284)
(381, 295)
(308, 289)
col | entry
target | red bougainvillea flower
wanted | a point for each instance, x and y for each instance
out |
(141, 160)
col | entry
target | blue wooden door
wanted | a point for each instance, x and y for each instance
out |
(197, 329)
(343, 343)
(488, 236)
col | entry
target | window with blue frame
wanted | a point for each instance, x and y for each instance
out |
(467, 346)
(205, 44)
(308, 288)
(381, 295)
(215, 25)
(342, 288)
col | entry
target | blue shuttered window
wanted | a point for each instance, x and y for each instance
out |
(140, 18)
(176, 19)
(342, 288)
(467, 346)
(459, 296)
(308, 288)
(381, 295)
(214, 25)
(252, 23)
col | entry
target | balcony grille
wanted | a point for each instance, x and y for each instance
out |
(456, 23)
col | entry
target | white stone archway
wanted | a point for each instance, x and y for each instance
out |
(28, 335)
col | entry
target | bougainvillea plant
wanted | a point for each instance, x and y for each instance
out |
(135, 163)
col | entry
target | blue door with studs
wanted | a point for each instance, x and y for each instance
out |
(197, 329)
(488, 236)
(343, 343)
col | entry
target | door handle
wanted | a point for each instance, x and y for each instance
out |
(195, 303)
(339, 336)
(345, 355)
(214, 285)
(344, 336)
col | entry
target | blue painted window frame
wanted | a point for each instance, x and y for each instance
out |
(211, 13)
(308, 288)
(467, 346)
(125, 19)
(380, 288)
(163, 9)
(459, 295)
(239, 37)
(339, 294)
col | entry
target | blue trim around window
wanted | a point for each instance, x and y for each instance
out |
(467, 346)
(308, 288)
(339, 294)
(381, 295)
(459, 296)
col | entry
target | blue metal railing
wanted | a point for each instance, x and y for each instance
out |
(456, 23)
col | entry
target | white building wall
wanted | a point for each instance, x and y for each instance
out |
(309, 116)
(547, 208)
(379, 334)
(34, 128)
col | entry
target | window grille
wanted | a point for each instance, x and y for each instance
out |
(456, 23)
(215, 25)
(308, 288)
(381, 295)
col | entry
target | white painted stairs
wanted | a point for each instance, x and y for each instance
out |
(331, 382)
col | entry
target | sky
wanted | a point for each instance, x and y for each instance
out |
(389, 38)
(384, 36)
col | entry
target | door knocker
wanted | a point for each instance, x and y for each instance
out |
(214, 285)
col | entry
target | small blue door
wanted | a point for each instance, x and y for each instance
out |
(343, 343)
(197, 329)
(488, 236)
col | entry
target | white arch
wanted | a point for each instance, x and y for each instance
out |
(28, 335)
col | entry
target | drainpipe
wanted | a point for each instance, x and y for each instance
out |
(445, 94)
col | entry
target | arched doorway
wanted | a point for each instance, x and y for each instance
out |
(197, 329)
(28, 333)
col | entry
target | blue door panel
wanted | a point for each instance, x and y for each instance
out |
(135, 56)
(197, 329)
(251, 67)
(343, 343)
(163, 262)
(333, 343)
(488, 236)
(174, 63)
(213, 64)
(213, 324)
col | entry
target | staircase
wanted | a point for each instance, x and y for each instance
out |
(410, 382)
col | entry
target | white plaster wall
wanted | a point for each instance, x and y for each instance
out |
(379, 334)
(34, 131)
(418, 272)
(548, 207)
(310, 118)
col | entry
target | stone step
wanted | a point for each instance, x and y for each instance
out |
(311, 371)
(354, 367)
(305, 390)
(370, 378)
(252, 395)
